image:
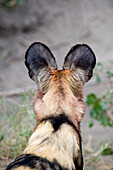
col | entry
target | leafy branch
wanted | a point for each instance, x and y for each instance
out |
(101, 108)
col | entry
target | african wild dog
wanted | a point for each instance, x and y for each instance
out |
(59, 108)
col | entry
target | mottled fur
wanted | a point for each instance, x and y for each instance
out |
(60, 98)
(59, 108)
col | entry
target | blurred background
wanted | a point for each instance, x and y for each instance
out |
(59, 24)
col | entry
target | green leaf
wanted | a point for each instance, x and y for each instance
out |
(105, 121)
(109, 73)
(103, 106)
(99, 64)
(98, 78)
(91, 98)
(107, 151)
(91, 124)
(2, 137)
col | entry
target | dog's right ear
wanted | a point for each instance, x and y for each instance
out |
(80, 60)
(39, 60)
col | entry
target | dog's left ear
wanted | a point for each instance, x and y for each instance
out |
(80, 60)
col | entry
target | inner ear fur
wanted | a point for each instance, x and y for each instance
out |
(39, 60)
(80, 59)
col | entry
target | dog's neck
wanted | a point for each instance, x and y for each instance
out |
(60, 99)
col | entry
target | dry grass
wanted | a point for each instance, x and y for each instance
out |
(16, 123)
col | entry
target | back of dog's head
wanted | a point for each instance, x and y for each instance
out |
(62, 90)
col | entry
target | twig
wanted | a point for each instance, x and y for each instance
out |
(101, 149)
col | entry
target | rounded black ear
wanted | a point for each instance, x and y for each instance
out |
(39, 60)
(81, 57)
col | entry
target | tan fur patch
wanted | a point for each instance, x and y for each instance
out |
(62, 145)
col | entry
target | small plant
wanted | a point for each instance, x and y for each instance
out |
(17, 125)
(92, 160)
(101, 108)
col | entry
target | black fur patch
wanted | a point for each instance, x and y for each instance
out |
(34, 162)
(78, 167)
(59, 120)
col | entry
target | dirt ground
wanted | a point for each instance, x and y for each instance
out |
(60, 25)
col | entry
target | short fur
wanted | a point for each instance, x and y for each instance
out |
(59, 108)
